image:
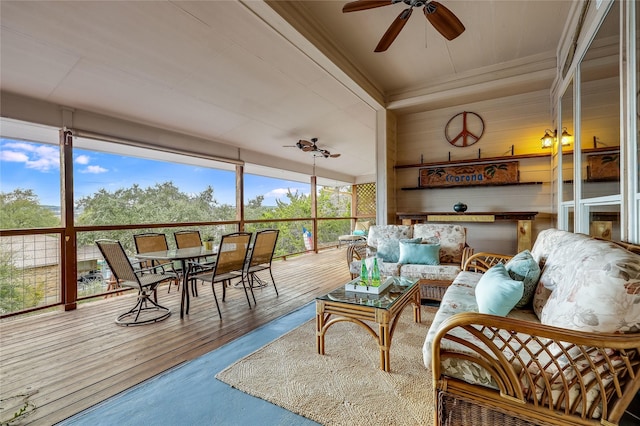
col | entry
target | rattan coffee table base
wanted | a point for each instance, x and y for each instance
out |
(330, 312)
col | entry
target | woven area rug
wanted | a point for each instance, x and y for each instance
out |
(345, 386)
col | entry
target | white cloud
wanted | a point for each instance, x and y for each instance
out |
(21, 146)
(39, 157)
(277, 193)
(13, 156)
(82, 159)
(281, 193)
(95, 170)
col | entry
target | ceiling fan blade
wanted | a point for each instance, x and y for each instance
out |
(393, 31)
(443, 20)
(308, 148)
(334, 155)
(354, 6)
(302, 142)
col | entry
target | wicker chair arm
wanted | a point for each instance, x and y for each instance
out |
(357, 251)
(466, 254)
(550, 369)
(482, 261)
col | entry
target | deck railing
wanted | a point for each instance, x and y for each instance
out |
(32, 261)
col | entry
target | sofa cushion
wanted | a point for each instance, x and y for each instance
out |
(496, 293)
(595, 287)
(523, 267)
(460, 297)
(551, 268)
(389, 250)
(452, 239)
(387, 269)
(430, 272)
(362, 227)
(379, 233)
(419, 254)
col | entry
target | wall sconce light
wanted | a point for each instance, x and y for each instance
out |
(550, 137)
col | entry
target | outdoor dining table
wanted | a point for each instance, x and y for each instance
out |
(182, 255)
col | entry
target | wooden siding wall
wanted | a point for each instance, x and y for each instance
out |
(519, 120)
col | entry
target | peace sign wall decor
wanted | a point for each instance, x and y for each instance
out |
(464, 129)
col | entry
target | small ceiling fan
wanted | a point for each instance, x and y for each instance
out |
(442, 19)
(307, 146)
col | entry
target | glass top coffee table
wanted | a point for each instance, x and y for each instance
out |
(358, 307)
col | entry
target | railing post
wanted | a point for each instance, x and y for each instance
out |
(240, 197)
(69, 253)
(314, 212)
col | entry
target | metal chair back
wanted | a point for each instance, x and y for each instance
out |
(187, 239)
(146, 310)
(150, 242)
(263, 247)
(232, 253)
(118, 262)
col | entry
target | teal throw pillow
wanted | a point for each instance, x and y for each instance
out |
(523, 267)
(389, 250)
(496, 292)
(359, 232)
(419, 254)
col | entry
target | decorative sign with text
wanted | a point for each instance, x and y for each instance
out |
(469, 175)
(603, 167)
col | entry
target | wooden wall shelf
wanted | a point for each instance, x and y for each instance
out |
(475, 160)
(469, 186)
(524, 221)
(504, 158)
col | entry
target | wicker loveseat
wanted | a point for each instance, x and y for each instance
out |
(453, 250)
(571, 357)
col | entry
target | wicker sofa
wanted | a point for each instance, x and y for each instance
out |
(453, 250)
(571, 357)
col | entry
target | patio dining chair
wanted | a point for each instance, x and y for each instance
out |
(232, 255)
(188, 239)
(261, 257)
(154, 241)
(145, 280)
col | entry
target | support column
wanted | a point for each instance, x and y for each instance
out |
(314, 211)
(69, 253)
(240, 197)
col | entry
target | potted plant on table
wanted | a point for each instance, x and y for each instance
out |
(208, 242)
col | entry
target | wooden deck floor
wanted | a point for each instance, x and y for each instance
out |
(76, 359)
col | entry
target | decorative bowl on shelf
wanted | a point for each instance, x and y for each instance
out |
(460, 207)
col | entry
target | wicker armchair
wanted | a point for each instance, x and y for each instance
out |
(540, 374)
(356, 251)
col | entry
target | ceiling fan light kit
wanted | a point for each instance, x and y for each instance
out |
(442, 19)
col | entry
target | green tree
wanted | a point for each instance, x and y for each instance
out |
(16, 290)
(333, 202)
(290, 237)
(161, 203)
(21, 209)
(254, 209)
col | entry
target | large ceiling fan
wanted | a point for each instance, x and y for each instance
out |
(442, 19)
(312, 146)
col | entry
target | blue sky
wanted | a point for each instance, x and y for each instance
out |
(36, 166)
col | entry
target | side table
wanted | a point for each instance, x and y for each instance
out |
(351, 239)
